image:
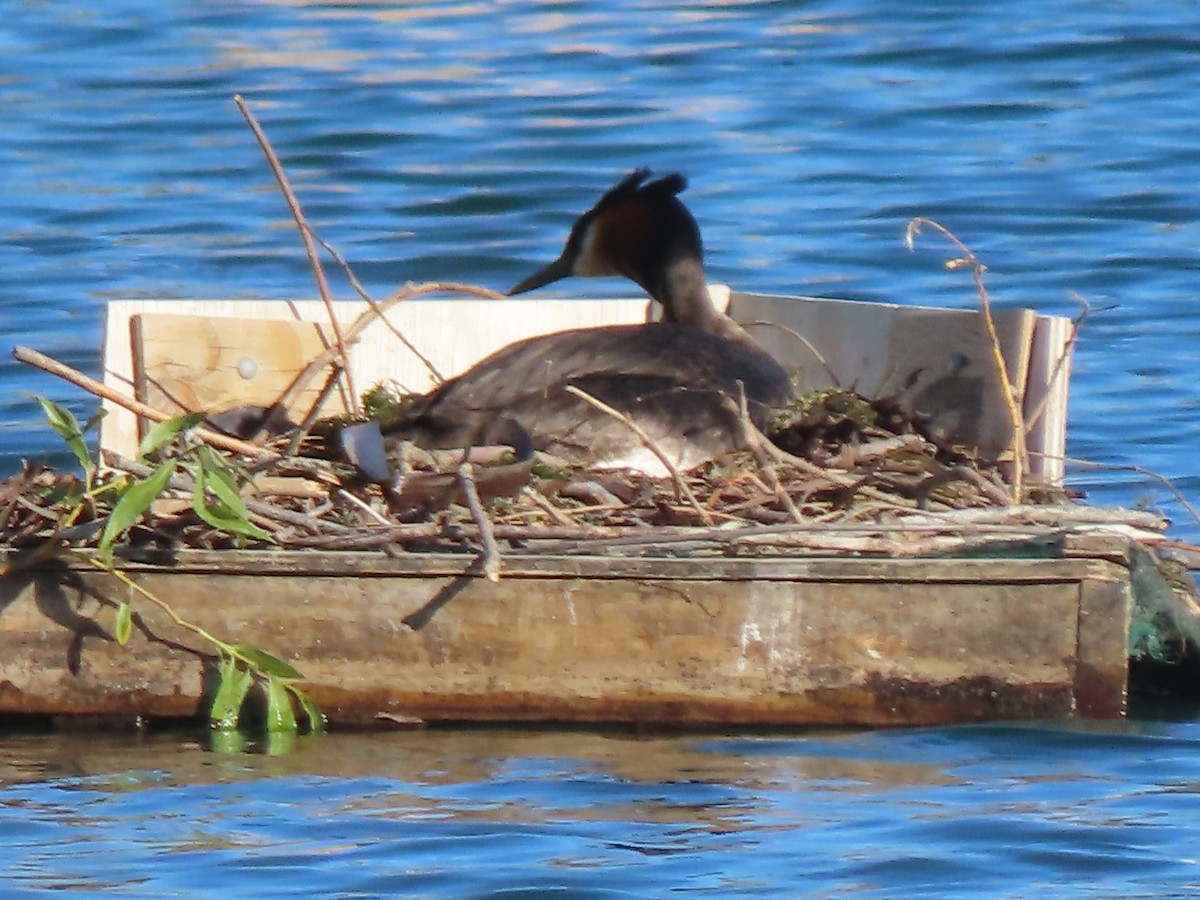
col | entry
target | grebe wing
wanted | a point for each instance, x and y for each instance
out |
(676, 381)
(678, 352)
(688, 424)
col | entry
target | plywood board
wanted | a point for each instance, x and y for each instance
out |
(938, 359)
(1046, 396)
(451, 333)
(184, 363)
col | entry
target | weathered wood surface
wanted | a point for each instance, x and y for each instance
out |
(589, 639)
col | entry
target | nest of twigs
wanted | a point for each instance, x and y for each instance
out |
(839, 473)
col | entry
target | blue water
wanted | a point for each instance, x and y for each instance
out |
(457, 141)
(978, 811)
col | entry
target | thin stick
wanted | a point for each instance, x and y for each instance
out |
(92, 386)
(369, 510)
(310, 417)
(835, 478)
(1163, 479)
(356, 328)
(750, 435)
(808, 345)
(367, 298)
(681, 488)
(555, 514)
(491, 550)
(309, 246)
(969, 475)
(161, 604)
(1012, 401)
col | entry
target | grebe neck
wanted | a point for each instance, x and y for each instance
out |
(682, 291)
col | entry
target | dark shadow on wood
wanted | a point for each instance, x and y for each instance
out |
(59, 593)
(418, 619)
(51, 584)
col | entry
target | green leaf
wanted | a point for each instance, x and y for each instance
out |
(63, 421)
(165, 431)
(219, 516)
(317, 723)
(224, 509)
(235, 684)
(123, 627)
(216, 463)
(135, 500)
(266, 663)
(280, 716)
(60, 418)
(221, 480)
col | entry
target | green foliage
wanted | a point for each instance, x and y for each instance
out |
(272, 677)
(134, 500)
(63, 421)
(163, 432)
(232, 690)
(123, 627)
(312, 713)
(280, 716)
(266, 663)
(216, 499)
(824, 403)
(384, 403)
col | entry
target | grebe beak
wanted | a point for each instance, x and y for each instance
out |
(560, 268)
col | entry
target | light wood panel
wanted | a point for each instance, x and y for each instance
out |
(185, 362)
(939, 360)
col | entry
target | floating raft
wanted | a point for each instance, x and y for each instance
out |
(927, 627)
(587, 639)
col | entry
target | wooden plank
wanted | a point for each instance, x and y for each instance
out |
(1102, 664)
(680, 642)
(453, 334)
(1046, 397)
(938, 360)
(359, 564)
(186, 363)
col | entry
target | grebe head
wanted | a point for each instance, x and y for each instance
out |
(639, 229)
(675, 380)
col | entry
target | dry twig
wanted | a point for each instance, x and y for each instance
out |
(491, 550)
(92, 386)
(309, 247)
(1012, 399)
(681, 487)
(753, 438)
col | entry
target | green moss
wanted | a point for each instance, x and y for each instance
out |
(831, 403)
(385, 403)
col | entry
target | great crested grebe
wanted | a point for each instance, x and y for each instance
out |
(677, 378)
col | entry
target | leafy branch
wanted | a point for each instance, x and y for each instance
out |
(216, 500)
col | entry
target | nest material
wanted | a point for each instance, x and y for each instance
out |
(841, 474)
